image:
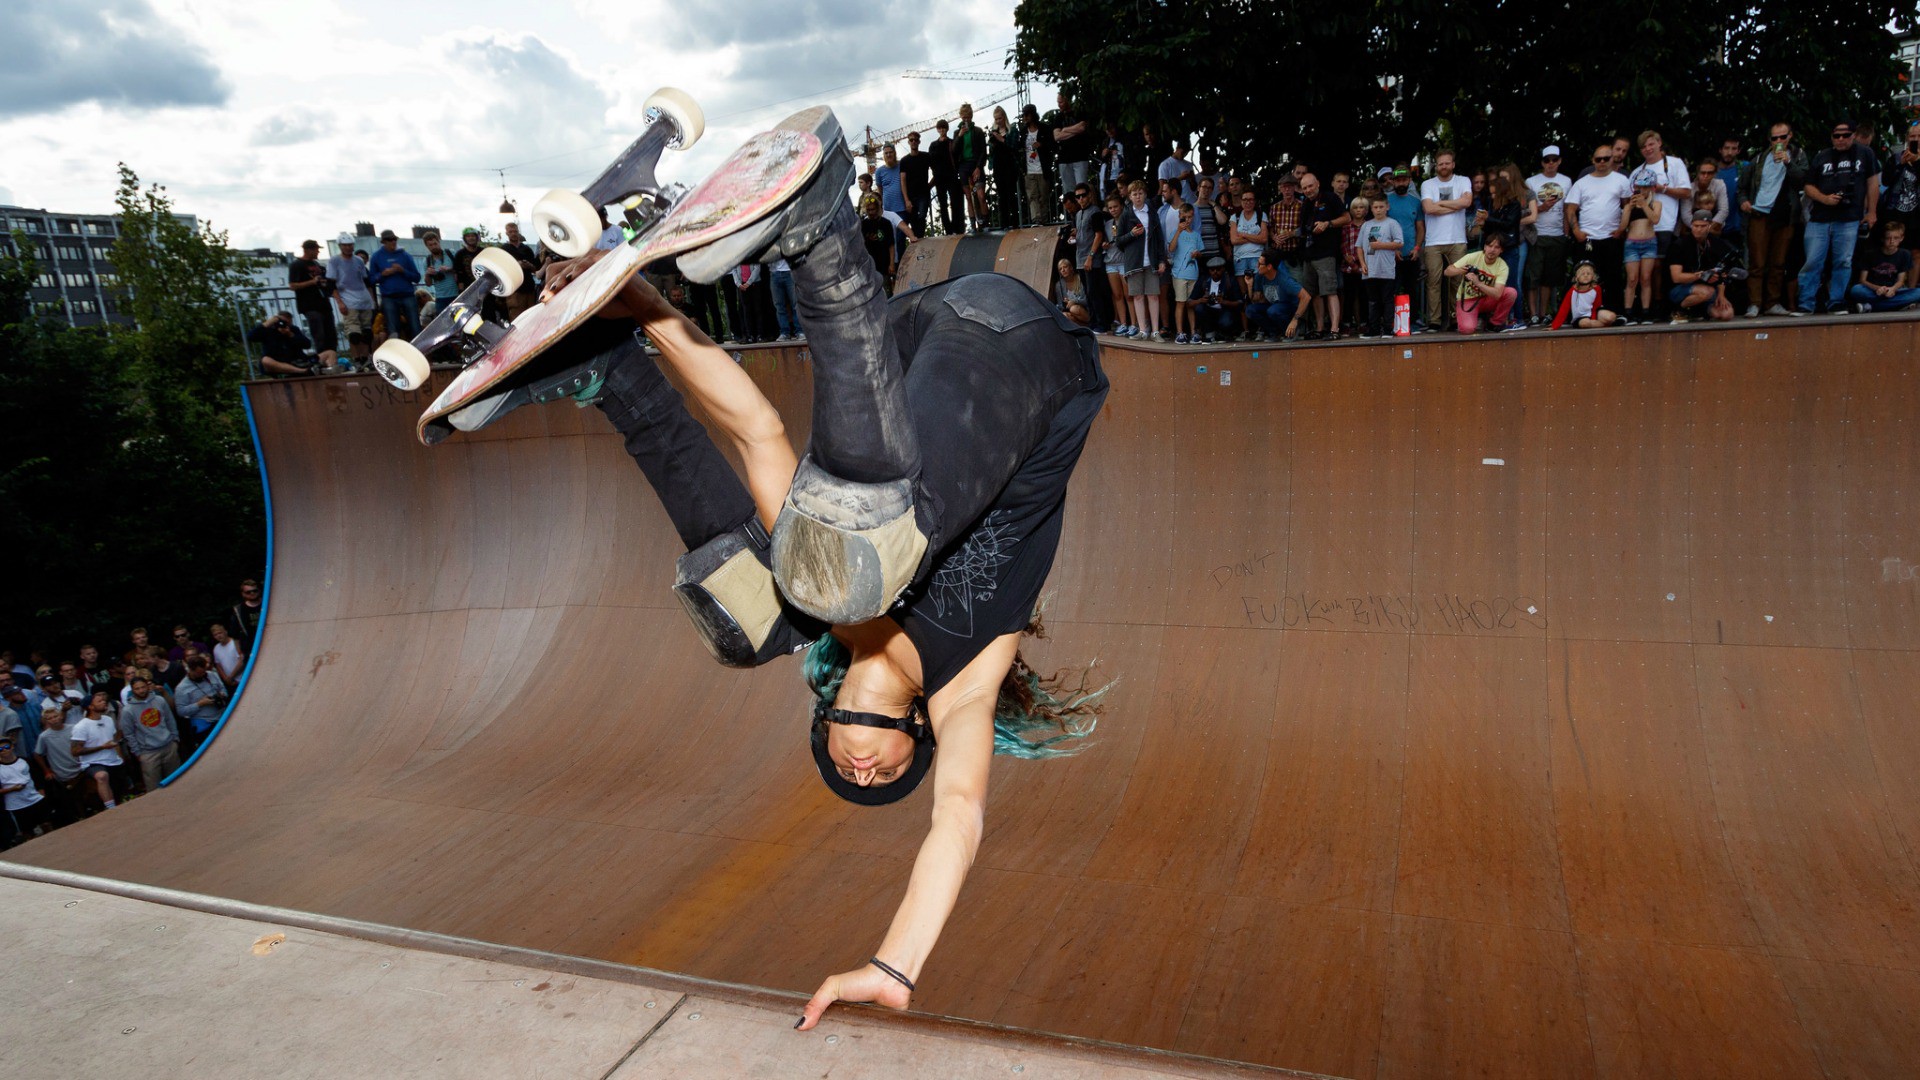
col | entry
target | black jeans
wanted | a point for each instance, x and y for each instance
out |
(952, 386)
(1380, 296)
(1609, 261)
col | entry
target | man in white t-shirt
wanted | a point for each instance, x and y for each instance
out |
(228, 660)
(1547, 261)
(96, 743)
(1444, 199)
(1595, 220)
(26, 807)
(1673, 189)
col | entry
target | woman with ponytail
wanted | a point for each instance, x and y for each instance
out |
(905, 552)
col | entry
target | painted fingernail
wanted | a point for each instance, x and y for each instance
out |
(797, 1023)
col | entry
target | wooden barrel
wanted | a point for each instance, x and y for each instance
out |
(1027, 254)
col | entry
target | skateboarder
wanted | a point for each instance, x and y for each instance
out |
(908, 546)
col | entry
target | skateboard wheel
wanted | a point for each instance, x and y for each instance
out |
(678, 105)
(566, 223)
(400, 363)
(503, 267)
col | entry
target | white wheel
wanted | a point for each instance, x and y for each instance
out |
(503, 267)
(567, 224)
(401, 364)
(679, 106)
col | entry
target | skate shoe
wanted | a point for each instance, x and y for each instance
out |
(791, 229)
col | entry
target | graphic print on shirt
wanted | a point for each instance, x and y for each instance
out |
(970, 574)
(150, 717)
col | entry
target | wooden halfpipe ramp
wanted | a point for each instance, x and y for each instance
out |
(1537, 707)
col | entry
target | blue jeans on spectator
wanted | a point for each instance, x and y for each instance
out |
(403, 315)
(1861, 294)
(1824, 240)
(1272, 318)
(1516, 259)
(783, 304)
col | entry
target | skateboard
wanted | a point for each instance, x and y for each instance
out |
(758, 178)
(569, 224)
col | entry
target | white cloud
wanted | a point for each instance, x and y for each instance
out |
(340, 112)
(116, 52)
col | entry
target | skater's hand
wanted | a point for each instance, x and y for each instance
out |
(559, 274)
(868, 983)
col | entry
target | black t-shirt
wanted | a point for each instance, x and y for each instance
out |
(877, 234)
(302, 270)
(1902, 197)
(1693, 257)
(1842, 174)
(915, 175)
(1883, 269)
(522, 253)
(1323, 207)
(1075, 148)
(987, 582)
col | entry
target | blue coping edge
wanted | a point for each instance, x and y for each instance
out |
(266, 600)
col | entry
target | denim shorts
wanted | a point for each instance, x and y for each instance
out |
(1246, 266)
(1642, 249)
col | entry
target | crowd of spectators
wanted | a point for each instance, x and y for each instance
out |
(1161, 246)
(79, 736)
(1165, 247)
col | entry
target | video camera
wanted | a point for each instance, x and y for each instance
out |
(1727, 269)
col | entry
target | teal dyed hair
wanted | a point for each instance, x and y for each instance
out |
(1035, 717)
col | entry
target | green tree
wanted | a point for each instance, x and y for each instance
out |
(126, 449)
(1341, 83)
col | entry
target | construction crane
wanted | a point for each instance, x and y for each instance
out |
(1020, 84)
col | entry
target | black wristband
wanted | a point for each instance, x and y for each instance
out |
(891, 972)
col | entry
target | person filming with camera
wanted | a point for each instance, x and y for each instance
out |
(1700, 265)
(283, 348)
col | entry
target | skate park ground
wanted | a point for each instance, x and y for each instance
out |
(1538, 705)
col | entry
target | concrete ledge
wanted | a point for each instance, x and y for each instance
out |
(115, 978)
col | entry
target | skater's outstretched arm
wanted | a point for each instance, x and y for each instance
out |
(723, 390)
(962, 715)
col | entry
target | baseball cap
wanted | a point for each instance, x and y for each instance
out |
(14, 688)
(1703, 215)
(469, 231)
(388, 234)
(305, 244)
(345, 239)
(1551, 151)
(75, 695)
(1385, 171)
(1402, 171)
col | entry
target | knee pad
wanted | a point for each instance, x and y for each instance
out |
(844, 551)
(728, 592)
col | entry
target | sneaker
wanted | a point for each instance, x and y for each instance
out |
(1753, 311)
(1213, 339)
(1676, 319)
(1180, 339)
(1799, 313)
(1861, 309)
(1511, 327)
(1366, 335)
(1778, 309)
(791, 229)
(539, 383)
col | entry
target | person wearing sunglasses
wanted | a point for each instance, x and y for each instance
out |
(1843, 193)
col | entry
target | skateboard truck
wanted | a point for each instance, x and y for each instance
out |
(460, 323)
(568, 223)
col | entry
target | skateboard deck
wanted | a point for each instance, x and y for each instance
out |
(755, 179)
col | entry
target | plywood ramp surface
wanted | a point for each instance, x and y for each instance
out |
(1537, 707)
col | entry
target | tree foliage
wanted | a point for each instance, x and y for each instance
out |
(125, 450)
(1337, 84)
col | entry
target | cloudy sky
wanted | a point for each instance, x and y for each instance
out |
(283, 120)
